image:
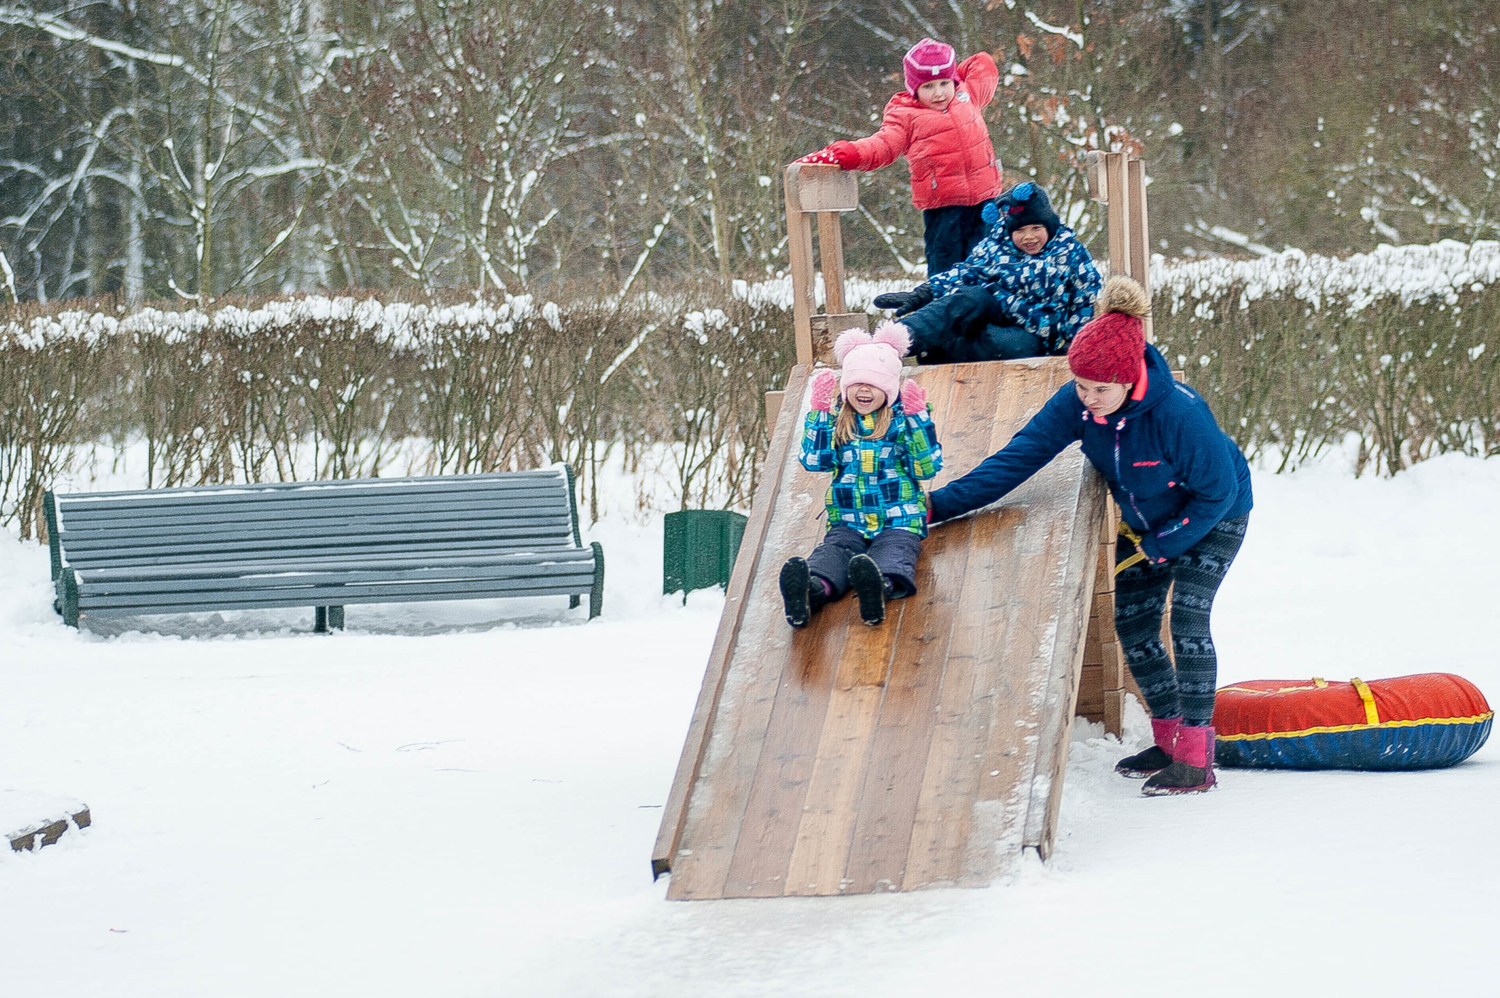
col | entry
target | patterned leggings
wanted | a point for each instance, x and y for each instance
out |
(1140, 598)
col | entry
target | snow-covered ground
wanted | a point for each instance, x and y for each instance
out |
(461, 799)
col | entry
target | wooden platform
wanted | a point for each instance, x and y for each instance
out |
(929, 751)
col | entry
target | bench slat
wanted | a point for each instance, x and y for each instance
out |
(93, 592)
(330, 596)
(409, 553)
(69, 517)
(73, 522)
(347, 563)
(456, 481)
(148, 546)
(352, 526)
(291, 493)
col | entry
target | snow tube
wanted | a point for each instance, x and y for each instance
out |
(1412, 722)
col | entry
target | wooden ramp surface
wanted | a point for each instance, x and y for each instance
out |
(929, 751)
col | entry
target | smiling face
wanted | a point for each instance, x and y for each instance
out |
(1030, 239)
(865, 398)
(936, 94)
(1101, 398)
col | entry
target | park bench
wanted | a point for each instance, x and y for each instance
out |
(323, 544)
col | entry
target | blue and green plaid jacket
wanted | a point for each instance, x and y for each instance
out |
(1050, 295)
(874, 485)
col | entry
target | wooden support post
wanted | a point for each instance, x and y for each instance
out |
(815, 189)
(1119, 213)
(831, 261)
(800, 259)
(1140, 234)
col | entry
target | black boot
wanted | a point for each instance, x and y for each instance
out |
(801, 594)
(795, 597)
(1158, 756)
(869, 585)
(1192, 769)
(1144, 764)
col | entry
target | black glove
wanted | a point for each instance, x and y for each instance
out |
(905, 302)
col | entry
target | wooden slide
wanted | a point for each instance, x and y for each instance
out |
(928, 751)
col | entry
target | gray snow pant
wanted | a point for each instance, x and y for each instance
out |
(895, 551)
(967, 326)
(1141, 597)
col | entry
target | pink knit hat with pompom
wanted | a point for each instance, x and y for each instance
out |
(873, 360)
(929, 60)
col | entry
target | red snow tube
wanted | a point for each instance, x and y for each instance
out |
(1412, 722)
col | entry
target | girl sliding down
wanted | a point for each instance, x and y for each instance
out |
(877, 438)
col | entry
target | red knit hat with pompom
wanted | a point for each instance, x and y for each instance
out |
(1111, 346)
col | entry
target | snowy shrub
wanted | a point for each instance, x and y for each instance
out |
(1294, 352)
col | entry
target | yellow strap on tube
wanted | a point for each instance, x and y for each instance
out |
(1372, 716)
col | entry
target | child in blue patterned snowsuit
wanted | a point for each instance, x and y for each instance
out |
(1023, 291)
(878, 441)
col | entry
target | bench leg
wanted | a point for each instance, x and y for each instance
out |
(596, 595)
(573, 601)
(68, 601)
(328, 618)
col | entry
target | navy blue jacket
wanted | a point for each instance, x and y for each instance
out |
(1172, 470)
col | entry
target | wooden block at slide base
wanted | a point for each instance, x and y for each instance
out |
(925, 752)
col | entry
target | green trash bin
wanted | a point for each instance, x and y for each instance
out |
(699, 549)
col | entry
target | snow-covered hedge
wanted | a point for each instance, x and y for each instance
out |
(1296, 352)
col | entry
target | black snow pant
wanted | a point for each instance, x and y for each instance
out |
(950, 234)
(894, 550)
(965, 326)
(1140, 598)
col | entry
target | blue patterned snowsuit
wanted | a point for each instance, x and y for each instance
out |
(1050, 295)
(875, 505)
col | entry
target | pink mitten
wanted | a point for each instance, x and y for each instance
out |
(913, 398)
(825, 386)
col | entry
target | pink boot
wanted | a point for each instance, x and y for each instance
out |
(1192, 768)
(1158, 756)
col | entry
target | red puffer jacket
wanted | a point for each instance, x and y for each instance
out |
(952, 158)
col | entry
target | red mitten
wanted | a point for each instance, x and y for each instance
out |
(824, 156)
(824, 387)
(842, 154)
(845, 154)
(913, 398)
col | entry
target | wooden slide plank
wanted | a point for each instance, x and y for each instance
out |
(925, 752)
(899, 748)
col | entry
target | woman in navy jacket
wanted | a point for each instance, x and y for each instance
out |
(1183, 488)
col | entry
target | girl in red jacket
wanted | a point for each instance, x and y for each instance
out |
(937, 123)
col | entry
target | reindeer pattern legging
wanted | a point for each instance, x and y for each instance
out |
(1140, 598)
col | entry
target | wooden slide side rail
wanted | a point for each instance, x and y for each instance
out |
(788, 433)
